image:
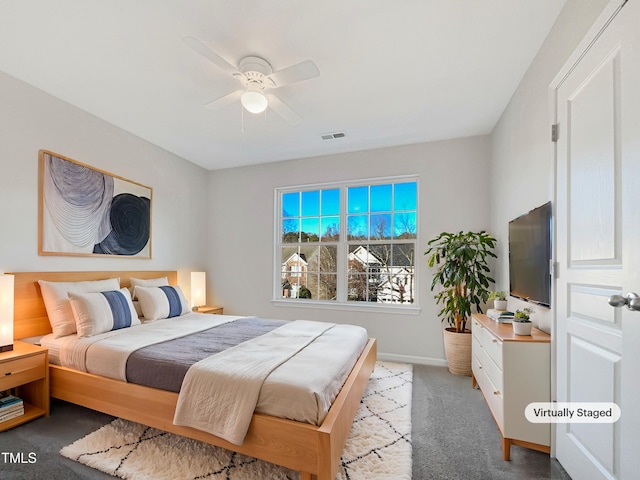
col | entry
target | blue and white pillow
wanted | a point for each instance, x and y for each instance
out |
(162, 302)
(146, 282)
(56, 300)
(103, 311)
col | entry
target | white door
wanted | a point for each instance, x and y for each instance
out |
(598, 249)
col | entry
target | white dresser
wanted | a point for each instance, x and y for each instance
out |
(512, 371)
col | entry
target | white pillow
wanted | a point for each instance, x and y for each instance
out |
(56, 301)
(102, 312)
(146, 282)
(162, 302)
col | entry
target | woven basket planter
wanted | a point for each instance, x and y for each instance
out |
(457, 350)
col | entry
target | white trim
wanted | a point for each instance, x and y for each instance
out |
(604, 19)
(395, 308)
(392, 357)
(342, 183)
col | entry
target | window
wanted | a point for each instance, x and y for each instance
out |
(348, 242)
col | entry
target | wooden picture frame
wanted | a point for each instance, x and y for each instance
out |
(84, 211)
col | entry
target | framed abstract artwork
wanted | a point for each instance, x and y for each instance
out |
(85, 211)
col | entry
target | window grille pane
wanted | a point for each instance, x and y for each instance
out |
(357, 227)
(327, 288)
(404, 225)
(380, 226)
(310, 230)
(330, 230)
(290, 230)
(405, 196)
(381, 198)
(358, 199)
(311, 203)
(291, 204)
(331, 202)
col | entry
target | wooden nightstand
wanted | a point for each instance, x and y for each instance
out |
(26, 370)
(214, 310)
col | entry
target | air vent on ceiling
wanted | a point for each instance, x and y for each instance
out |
(332, 136)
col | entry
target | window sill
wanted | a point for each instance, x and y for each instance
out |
(358, 307)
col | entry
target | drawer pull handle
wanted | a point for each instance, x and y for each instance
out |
(496, 392)
(494, 340)
(7, 374)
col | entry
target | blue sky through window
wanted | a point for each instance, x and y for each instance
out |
(382, 211)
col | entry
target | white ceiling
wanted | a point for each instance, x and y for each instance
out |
(391, 71)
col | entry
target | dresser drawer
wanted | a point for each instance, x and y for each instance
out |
(476, 328)
(492, 396)
(476, 346)
(492, 346)
(492, 371)
(495, 400)
(476, 366)
(21, 370)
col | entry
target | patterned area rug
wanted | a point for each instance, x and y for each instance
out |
(378, 447)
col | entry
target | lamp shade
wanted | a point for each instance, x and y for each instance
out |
(254, 101)
(6, 313)
(198, 289)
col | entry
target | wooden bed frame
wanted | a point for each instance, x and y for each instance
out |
(314, 451)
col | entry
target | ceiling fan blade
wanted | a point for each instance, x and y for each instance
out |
(295, 73)
(224, 101)
(209, 54)
(281, 109)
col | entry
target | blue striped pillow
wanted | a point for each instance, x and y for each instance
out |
(103, 311)
(162, 302)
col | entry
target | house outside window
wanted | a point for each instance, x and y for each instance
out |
(348, 242)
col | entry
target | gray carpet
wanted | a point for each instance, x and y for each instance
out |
(455, 437)
(445, 446)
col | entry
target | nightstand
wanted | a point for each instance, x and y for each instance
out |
(214, 310)
(25, 369)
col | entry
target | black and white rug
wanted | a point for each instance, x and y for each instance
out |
(378, 447)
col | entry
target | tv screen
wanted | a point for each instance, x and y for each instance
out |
(530, 256)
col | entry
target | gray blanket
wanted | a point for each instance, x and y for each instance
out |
(164, 365)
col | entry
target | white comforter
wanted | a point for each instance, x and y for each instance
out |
(301, 379)
(219, 394)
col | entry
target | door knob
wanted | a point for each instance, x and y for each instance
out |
(630, 300)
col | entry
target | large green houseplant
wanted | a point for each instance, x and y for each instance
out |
(462, 272)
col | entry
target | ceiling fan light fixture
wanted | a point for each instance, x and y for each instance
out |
(253, 101)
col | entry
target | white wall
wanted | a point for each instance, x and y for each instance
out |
(454, 176)
(522, 152)
(31, 120)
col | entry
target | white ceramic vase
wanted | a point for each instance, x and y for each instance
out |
(522, 328)
(500, 304)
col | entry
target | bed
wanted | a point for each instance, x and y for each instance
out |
(312, 450)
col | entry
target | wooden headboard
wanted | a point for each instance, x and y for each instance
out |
(30, 314)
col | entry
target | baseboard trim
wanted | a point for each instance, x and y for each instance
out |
(393, 357)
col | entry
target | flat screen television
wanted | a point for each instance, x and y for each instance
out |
(530, 256)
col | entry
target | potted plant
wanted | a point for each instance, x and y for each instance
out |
(522, 322)
(499, 299)
(462, 273)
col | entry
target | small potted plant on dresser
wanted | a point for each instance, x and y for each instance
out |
(522, 322)
(461, 268)
(499, 300)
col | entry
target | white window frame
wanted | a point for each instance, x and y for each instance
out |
(341, 303)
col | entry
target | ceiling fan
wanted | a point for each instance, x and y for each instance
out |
(258, 78)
